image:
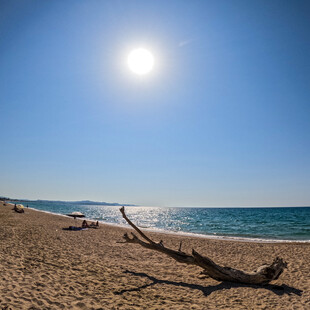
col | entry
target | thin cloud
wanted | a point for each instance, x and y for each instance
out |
(185, 42)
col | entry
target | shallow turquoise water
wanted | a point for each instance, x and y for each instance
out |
(261, 223)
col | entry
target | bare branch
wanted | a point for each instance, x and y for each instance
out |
(122, 209)
(263, 275)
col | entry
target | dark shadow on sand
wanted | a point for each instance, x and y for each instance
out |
(207, 290)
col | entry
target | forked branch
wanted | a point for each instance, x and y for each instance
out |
(263, 275)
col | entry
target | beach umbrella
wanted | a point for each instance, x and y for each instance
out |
(76, 214)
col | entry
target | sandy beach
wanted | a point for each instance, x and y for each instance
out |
(43, 266)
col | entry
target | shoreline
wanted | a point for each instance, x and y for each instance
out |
(45, 267)
(191, 234)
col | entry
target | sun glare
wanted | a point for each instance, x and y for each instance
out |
(140, 61)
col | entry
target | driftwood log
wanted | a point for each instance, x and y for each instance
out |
(262, 275)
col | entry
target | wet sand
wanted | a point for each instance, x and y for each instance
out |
(43, 266)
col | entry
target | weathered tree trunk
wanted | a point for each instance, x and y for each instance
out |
(262, 275)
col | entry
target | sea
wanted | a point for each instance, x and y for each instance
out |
(267, 224)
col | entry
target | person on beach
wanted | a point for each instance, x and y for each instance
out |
(19, 208)
(84, 224)
(94, 225)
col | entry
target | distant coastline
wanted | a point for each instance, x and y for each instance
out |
(111, 204)
(84, 202)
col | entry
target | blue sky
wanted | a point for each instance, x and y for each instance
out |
(222, 120)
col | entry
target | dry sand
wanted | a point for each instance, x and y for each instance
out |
(45, 267)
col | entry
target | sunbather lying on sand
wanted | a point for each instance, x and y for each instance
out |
(18, 208)
(94, 225)
(91, 225)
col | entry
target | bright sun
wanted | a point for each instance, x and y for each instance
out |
(140, 61)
